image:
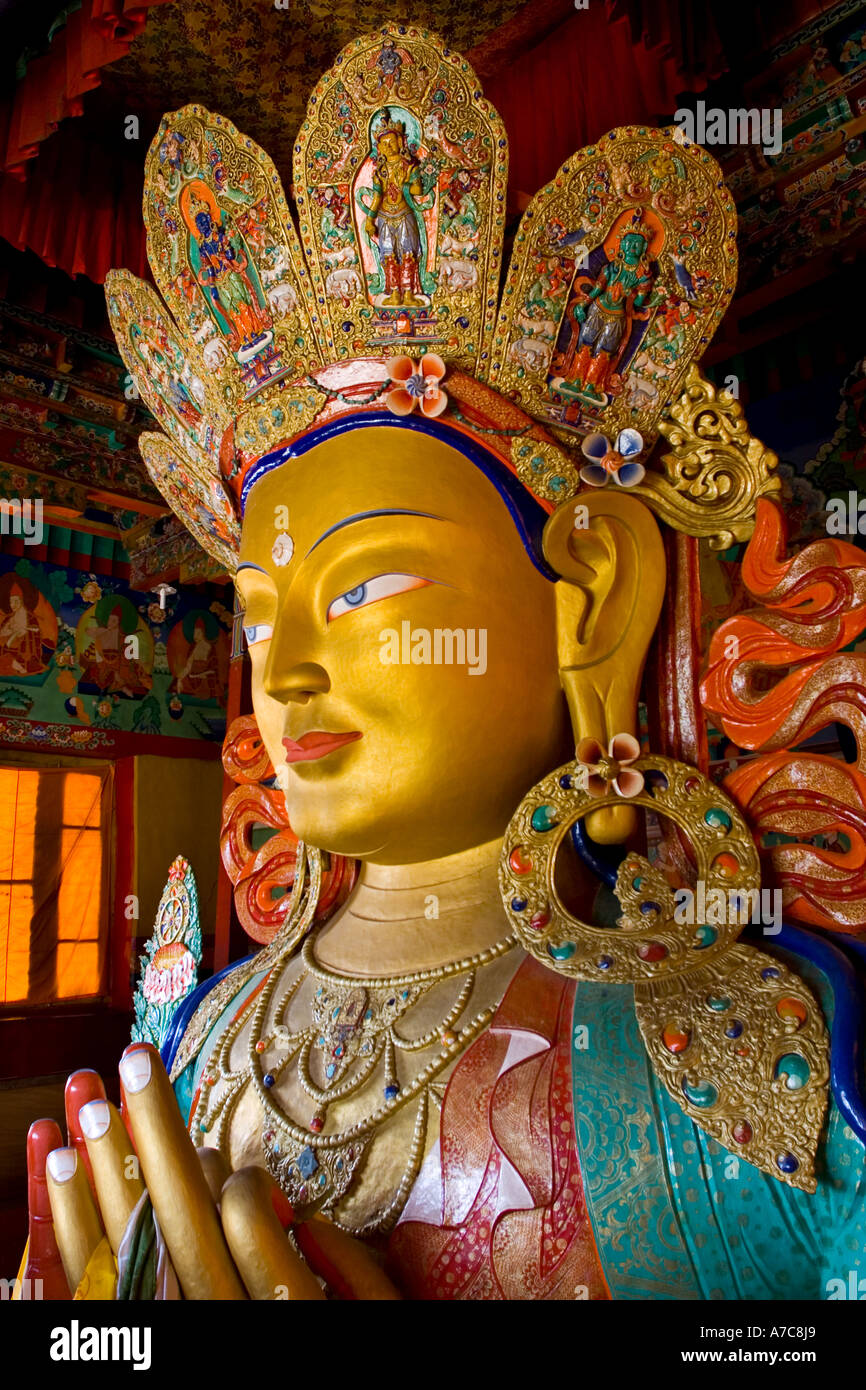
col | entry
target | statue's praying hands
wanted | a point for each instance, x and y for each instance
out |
(133, 1210)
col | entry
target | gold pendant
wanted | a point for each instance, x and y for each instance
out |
(741, 1046)
(735, 1036)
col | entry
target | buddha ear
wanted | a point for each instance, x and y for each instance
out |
(608, 552)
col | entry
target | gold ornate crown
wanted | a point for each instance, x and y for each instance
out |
(269, 334)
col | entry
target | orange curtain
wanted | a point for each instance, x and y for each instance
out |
(603, 66)
(55, 835)
(79, 207)
(54, 85)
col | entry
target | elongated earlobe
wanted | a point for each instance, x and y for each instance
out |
(608, 602)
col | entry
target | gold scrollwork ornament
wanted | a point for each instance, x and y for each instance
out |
(714, 470)
(734, 1035)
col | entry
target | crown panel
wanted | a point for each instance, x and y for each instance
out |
(167, 369)
(622, 269)
(225, 255)
(196, 497)
(400, 171)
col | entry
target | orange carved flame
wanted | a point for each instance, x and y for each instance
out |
(776, 675)
(263, 877)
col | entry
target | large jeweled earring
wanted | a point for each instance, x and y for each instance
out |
(734, 1035)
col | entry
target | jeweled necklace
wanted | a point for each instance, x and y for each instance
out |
(354, 1030)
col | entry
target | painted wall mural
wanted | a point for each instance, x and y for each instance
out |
(87, 653)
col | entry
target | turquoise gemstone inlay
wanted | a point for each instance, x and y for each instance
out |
(704, 937)
(544, 818)
(718, 1003)
(717, 818)
(795, 1070)
(702, 1093)
(563, 952)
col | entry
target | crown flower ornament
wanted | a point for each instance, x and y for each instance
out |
(613, 768)
(617, 461)
(416, 384)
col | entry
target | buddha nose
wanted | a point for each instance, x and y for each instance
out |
(297, 684)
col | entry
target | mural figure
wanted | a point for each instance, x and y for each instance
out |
(24, 648)
(109, 638)
(197, 657)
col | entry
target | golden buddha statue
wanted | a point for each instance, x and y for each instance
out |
(473, 1075)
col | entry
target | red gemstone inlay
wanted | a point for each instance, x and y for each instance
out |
(726, 864)
(652, 950)
(794, 1009)
(520, 860)
(539, 920)
(742, 1131)
(676, 1039)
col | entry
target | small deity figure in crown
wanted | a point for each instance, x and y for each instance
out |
(389, 62)
(178, 160)
(336, 228)
(602, 317)
(222, 270)
(392, 223)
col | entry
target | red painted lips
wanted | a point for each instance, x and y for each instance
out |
(316, 744)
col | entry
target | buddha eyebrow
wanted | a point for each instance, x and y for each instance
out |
(248, 565)
(364, 516)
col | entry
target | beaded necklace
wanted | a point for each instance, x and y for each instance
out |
(355, 1041)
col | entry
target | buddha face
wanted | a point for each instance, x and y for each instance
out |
(632, 246)
(403, 647)
(388, 146)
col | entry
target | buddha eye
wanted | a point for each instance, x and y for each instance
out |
(257, 632)
(383, 586)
